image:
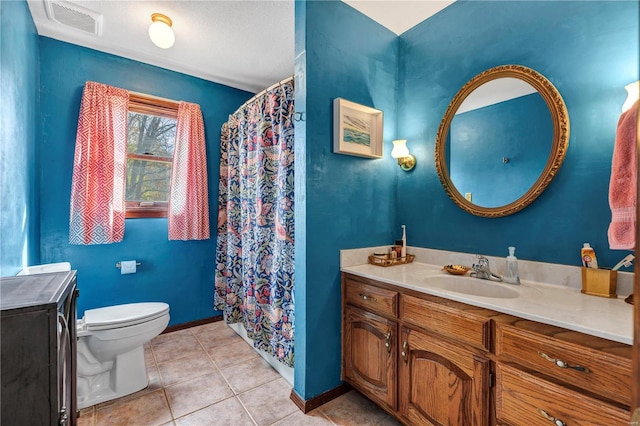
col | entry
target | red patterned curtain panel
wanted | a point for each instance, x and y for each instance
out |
(97, 188)
(189, 198)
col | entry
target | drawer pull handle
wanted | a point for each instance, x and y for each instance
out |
(387, 343)
(405, 346)
(563, 364)
(555, 421)
(367, 297)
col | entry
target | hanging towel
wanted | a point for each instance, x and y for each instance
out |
(623, 184)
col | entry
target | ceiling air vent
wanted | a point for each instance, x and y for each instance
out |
(75, 16)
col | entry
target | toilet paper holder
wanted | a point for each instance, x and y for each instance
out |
(118, 265)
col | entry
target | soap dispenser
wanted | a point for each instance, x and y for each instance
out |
(511, 270)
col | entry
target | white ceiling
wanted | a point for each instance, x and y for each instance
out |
(246, 44)
(495, 91)
(398, 15)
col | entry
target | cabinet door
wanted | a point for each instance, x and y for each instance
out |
(369, 355)
(27, 353)
(441, 383)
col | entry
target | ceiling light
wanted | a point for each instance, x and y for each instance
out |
(160, 31)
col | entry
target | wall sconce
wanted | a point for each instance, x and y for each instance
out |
(632, 95)
(160, 31)
(400, 151)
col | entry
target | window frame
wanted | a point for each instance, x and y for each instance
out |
(146, 104)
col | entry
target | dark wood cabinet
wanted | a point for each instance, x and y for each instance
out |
(38, 349)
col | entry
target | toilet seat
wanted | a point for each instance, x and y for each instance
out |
(126, 315)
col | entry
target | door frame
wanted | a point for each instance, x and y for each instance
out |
(635, 370)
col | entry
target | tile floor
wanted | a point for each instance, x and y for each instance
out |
(208, 375)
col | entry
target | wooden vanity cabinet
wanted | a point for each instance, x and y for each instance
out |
(393, 354)
(432, 361)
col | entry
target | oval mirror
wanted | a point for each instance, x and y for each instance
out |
(501, 141)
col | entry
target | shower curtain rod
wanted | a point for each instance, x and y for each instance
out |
(280, 83)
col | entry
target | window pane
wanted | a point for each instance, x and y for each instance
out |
(147, 180)
(151, 134)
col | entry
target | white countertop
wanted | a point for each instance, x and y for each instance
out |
(550, 304)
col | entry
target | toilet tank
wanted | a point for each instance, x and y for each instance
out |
(46, 268)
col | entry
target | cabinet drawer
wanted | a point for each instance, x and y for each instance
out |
(447, 321)
(602, 373)
(524, 399)
(371, 298)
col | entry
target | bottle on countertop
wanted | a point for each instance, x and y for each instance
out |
(404, 241)
(588, 256)
(511, 275)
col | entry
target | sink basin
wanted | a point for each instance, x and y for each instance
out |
(471, 286)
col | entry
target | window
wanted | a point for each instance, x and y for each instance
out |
(151, 139)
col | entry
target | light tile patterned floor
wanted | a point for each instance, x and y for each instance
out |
(208, 375)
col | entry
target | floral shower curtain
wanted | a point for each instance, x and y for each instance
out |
(255, 245)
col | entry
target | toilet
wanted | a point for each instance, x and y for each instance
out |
(111, 360)
(110, 354)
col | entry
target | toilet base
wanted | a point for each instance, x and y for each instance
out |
(99, 382)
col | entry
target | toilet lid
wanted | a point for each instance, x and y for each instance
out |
(123, 315)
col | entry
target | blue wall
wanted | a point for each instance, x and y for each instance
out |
(19, 78)
(519, 129)
(345, 201)
(177, 272)
(588, 50)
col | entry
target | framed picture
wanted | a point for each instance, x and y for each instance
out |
(357, 129)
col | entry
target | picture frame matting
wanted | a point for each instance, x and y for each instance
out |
(357, 129)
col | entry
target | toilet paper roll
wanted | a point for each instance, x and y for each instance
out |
(128, 267)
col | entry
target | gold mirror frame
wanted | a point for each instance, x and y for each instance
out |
(560, 121)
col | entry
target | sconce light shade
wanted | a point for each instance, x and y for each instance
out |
(160, 31)
(399, 148)
(406, 161)
(633, 90)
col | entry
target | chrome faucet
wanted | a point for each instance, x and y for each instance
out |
(481, 270)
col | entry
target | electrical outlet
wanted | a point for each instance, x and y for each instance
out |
(467, 196)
